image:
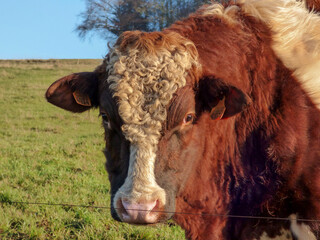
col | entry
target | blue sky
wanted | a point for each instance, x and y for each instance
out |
(43, 29)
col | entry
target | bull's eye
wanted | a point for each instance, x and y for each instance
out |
(105, 120)
(189, 118)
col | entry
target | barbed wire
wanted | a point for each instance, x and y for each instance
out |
(168, 212)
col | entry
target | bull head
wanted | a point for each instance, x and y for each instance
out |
(155, 106)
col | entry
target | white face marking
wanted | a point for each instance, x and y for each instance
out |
(143, 84)
(140, 184)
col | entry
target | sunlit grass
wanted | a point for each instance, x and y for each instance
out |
(53, 156)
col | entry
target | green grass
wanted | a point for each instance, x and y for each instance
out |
(50, 155)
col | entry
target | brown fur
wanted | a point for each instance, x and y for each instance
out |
(313, 5)
(270, 151)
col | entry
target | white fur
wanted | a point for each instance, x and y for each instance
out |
(218, 10)
(140, 185)
(301, 231)
(283, 236)
(296, 38)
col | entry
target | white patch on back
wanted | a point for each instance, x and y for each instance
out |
(296, 38)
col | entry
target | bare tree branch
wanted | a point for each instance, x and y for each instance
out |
(109, 18)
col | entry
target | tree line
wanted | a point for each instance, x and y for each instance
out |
(109, 18)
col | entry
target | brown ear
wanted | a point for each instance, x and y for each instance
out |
(77, 92)
(221, 100)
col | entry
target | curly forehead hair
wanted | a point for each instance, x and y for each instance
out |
(144, 71)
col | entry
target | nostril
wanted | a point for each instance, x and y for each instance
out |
(141, 212)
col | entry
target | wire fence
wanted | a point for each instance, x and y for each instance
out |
(168, 212)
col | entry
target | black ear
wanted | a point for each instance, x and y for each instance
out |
(220, 99)
(77, 92)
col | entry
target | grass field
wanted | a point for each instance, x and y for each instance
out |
(48, 155)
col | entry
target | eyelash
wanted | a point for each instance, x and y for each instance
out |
(189, 118)
(105, 120)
